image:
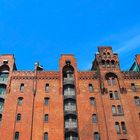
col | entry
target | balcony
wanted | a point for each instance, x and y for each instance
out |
(68, 81)
(70, 127)
(69, 96)
(3, 80)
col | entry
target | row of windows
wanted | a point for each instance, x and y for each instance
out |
(17, 135)
(20, 101)
(18, 117)
(22, 86)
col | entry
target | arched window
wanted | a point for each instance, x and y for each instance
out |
(123, 127)
(114, 110)
(113, 63)
(103, 63)
(22, 87)
(90, 88)
(47, 87)
(120, 111)
(108, 63)
(16, 136)
(92, 101)
(96, 136)
(117, 127)
(137, 100)
(45, 136)
(108, 55)
(111, 78)
(20, 100)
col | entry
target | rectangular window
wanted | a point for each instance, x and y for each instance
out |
(113, 81)
(111, 95)
(47, 87)
(117, 128)
(17, 136)
(46, 101)
(20, 99)
(18, 117)
(94, 118)
(46, 118)
(116, 95)
(45, 136)
(96, 136)
(92, 101)
(114, 110)
(133, 87)
(22, 88)
(123, 127)
(120, 111)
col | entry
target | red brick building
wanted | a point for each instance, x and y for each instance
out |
(100, 104)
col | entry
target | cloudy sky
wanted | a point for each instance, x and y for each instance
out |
(42, 30)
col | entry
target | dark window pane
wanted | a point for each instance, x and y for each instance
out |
(123, 127)
(17, 136)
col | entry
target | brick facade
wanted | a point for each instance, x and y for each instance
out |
(100, 104)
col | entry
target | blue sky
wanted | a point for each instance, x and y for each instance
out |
(42, 30)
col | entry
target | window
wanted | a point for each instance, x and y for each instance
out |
(46, 117)
(123, 127)
(109, 82)
(133, 87)
(111, 95)
(17, 136)
(5, 62)
(96, 136)
(2, 89)
(20, 100)
(90, 86)
(94, 118)
(46, 101)
(117, 128)
(47, 88)
(114, 110)
(18, 117)
(116, 95)
(137, 100)
(108, 55)
(92, 101)
(0, 117)
(103, 63)
(113, 81)
(120, 111)
(113, 63)
(46, 136)
(22, 88)
(1, 104)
